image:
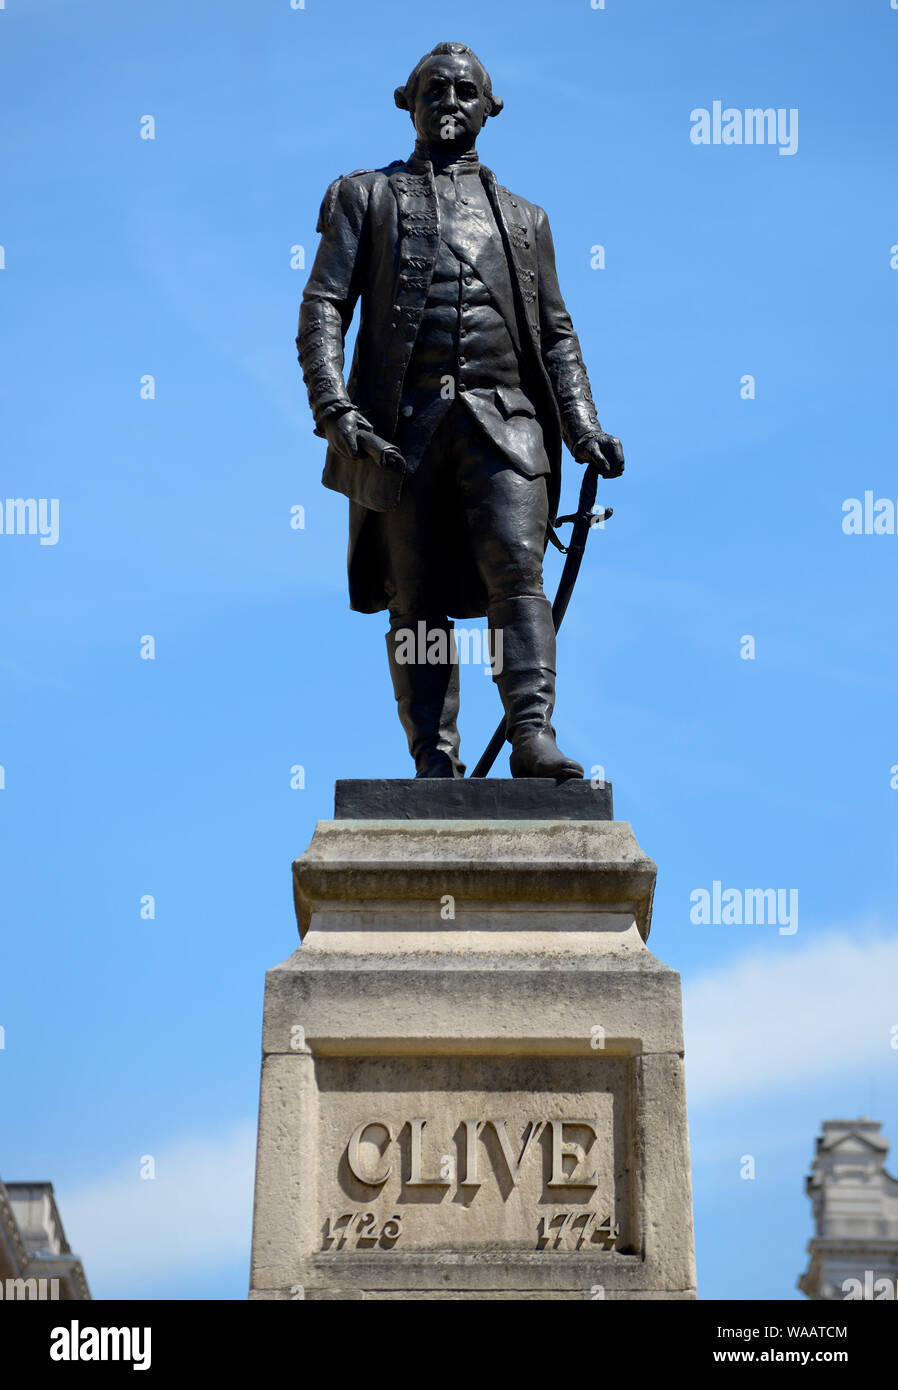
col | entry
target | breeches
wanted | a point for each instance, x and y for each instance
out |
(464, 503)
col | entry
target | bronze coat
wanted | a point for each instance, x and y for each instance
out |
(379, 241)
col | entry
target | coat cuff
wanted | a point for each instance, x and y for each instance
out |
(591, 433)
(333, 408)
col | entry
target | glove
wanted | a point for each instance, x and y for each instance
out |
(602, 449)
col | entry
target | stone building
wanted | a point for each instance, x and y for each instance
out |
(36, 1261)
(854, 1252)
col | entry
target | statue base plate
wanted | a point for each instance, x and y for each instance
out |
(473, 798)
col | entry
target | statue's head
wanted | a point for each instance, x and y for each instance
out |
(449, 96)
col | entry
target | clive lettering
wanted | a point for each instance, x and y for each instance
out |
(569, 1148)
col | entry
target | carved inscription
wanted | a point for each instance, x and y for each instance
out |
(463, 1154)
(574, 1229)
(564, 1146)
(364, 1227)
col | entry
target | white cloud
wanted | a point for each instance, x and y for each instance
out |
(132, 1232)
(782, 1015)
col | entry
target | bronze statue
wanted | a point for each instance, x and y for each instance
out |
(467, 376)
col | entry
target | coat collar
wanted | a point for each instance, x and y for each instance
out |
(420, 162)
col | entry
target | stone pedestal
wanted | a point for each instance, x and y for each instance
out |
(472, 1083)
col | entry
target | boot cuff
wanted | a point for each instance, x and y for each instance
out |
(523, 634)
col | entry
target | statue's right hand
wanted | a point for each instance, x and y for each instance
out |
(341, 431)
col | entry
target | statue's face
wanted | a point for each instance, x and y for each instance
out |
(451, 105)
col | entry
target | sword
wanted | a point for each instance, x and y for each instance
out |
(583, 520)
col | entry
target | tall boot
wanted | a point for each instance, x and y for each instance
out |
(427, 697)
(526, 684)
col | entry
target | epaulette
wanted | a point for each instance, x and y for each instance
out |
(386, 169)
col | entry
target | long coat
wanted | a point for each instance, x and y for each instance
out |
(379, 241)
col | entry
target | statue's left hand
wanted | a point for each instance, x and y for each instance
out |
(605, 451)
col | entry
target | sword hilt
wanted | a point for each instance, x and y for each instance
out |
(596, 516)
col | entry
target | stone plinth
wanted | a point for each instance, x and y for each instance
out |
(472, 1082)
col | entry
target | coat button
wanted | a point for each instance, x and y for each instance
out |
(408, 411)
(462, 386)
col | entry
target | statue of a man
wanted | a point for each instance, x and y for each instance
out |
(467, 362)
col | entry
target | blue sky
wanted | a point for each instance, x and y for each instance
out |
(124, 777)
